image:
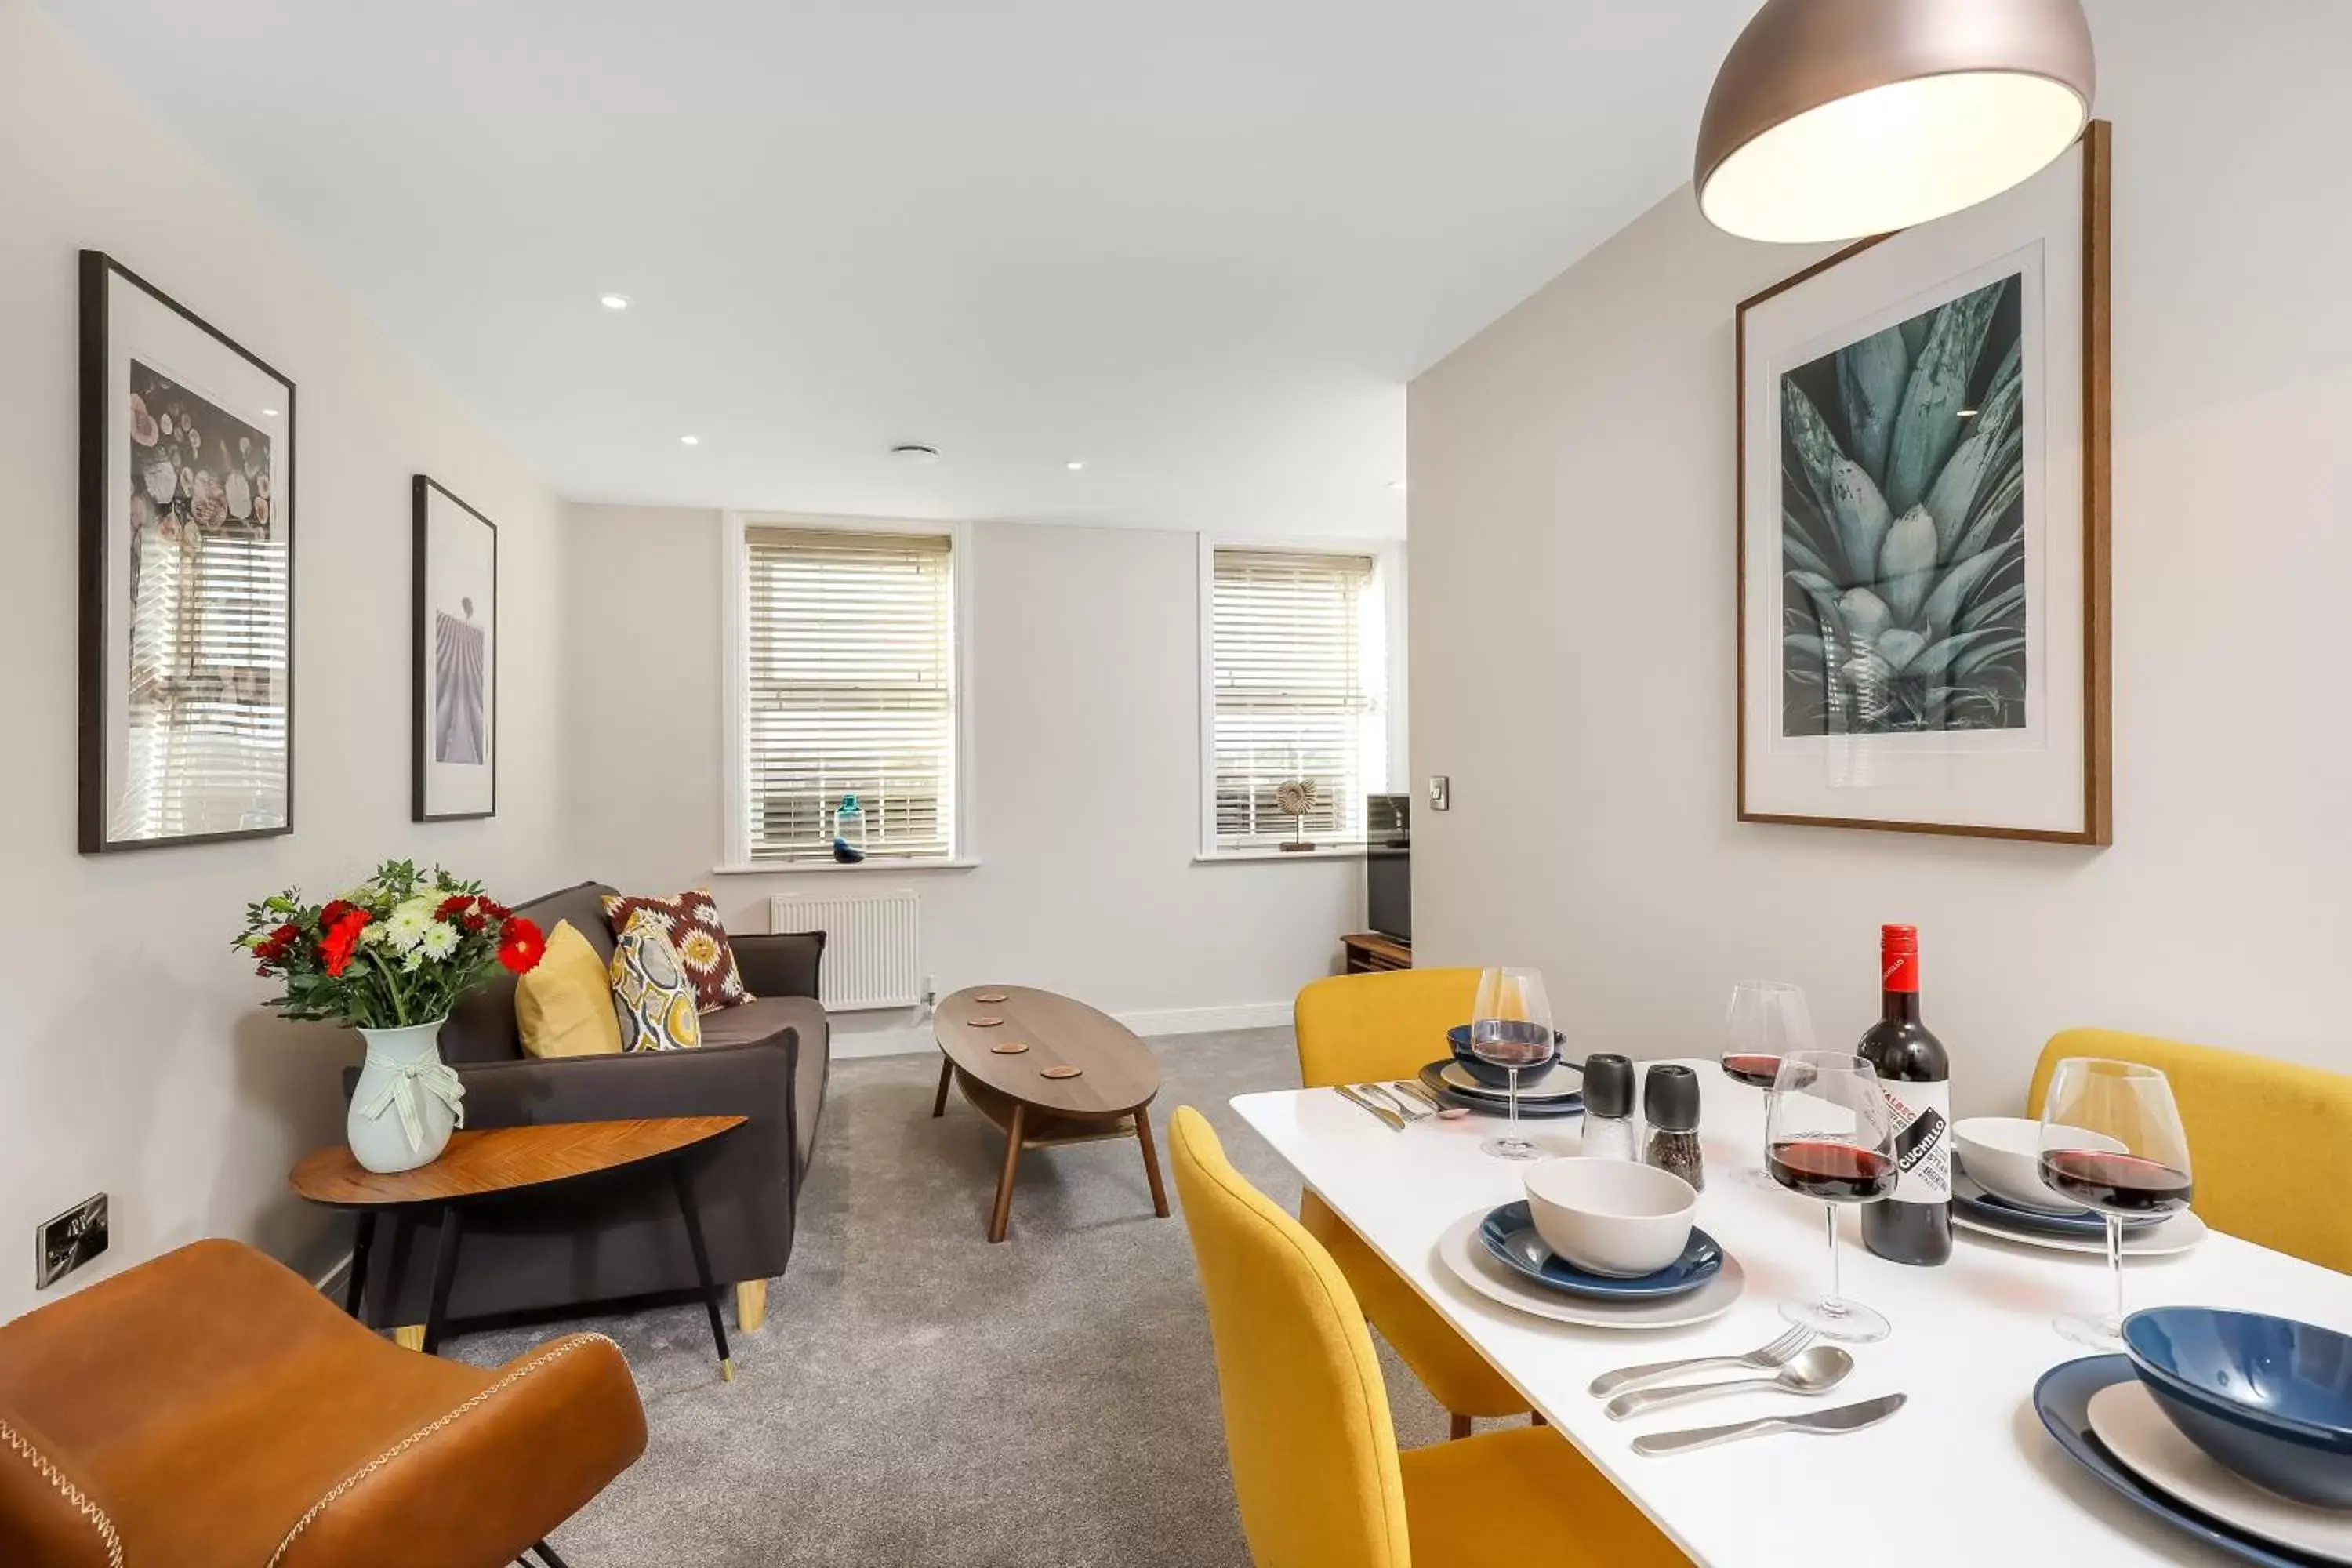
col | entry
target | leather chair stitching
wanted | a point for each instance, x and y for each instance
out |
(420, 1434)
(70, 1492)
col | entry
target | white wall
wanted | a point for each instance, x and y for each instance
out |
(133, 1057)
(1084, 680)
(1571, 621)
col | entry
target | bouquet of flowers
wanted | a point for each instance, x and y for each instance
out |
(397, 949)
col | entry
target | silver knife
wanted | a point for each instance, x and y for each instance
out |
(1844, 1418)
(1395, 1122)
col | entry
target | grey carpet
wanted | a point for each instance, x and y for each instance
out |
(921, 1397)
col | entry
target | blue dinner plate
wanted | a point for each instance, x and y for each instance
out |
(1978, 1202)
(2062, 1400)
(1530, 1110)
(1511, 1235)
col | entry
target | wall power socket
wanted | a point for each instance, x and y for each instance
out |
(64, 1242)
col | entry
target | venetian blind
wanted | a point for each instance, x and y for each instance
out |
(849, 689)
(1292, 667)
(206, 696)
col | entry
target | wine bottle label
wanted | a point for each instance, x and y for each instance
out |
(1923, 1144)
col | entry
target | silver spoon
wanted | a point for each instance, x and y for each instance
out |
(1815, 1370)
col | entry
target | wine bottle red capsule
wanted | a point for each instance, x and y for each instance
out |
(1914, 1225)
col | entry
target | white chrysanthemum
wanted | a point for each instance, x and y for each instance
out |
(375, 933)
(406, 926)
(439, 941)
(414, 961)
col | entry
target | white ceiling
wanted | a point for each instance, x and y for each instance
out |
(1200, 247)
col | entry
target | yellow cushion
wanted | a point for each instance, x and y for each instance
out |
(1352, 1027)
(564, 1004)
(653, 997)
(2258, 1128)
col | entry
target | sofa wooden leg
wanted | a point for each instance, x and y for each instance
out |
(409, 1336)
(751, 1304)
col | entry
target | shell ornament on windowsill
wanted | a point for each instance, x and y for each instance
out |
(1295, 798)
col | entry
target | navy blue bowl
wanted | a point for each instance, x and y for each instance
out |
(2267, 1397)
(1488, 1073)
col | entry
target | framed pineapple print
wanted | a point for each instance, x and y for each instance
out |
(1923, 524)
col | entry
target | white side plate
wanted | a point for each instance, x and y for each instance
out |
(2176, 1234)
(1466, 1257)
(2136, 1431)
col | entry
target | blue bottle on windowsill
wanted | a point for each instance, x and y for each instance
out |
(848, 832)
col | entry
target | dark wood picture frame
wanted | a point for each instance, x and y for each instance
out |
(422, 490)
(96, 269)
(2098, 804)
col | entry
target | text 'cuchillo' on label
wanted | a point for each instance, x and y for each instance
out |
(1923, 1144)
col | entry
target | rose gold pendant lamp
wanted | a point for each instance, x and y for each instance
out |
(1834, 118)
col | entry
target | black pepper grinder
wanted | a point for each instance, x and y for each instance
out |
(1670, 1105)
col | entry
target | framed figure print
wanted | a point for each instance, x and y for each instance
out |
(187, 587)
(1923, 524)
(456, 658)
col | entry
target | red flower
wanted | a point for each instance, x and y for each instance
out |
(497, 910)
(332, 915)
(451, 908)
(341, 940)
(520, 944)
(473, 920)
(273, 948)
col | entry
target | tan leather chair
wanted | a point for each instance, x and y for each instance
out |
(210, 1409)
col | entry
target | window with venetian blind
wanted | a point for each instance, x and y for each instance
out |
(1297, 661)
(848, 689)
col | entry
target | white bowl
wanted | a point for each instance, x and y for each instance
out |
(1610, 1216)
(2004, 1154)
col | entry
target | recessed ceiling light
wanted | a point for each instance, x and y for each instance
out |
(690, 440)
(915, 452)
(614, 301)
(1074, 464)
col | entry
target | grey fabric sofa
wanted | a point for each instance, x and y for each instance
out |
(614, 1236)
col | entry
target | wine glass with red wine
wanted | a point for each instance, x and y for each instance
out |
(1766, 1021)
(2112, 1140)
(1829, 1134)
(1511, 1027)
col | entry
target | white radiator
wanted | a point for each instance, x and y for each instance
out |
(873, 945)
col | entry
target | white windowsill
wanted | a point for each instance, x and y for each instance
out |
(873, 863)
(1327, 852)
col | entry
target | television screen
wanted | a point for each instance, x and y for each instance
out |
(1388, 865)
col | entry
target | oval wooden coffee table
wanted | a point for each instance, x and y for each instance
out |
(1031, 1093)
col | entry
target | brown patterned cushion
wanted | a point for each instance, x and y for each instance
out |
(692, 924)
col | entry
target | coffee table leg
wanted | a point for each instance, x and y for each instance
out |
(947, 1076)
(360, 1243)
(693, 1217)
(1004, 1184)
(444, 1273)
(1150, 1161)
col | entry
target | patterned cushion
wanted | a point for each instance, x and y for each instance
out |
(692, 924)
(652, 996)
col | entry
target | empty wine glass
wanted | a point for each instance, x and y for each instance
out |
(1829, 1134)
(1767, 1019)
(1511, 1027)
(2112, 1140)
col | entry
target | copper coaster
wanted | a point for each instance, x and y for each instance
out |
(986, 1023)
(1010, 1047)
(1063, 1070)
(991, 996)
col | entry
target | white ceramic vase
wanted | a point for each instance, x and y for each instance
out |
(407, 1101)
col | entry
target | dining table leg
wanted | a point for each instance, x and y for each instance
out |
(1150, 1161)
(1004, 1214)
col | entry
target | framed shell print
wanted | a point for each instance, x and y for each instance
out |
(456, 658)
(1923, 524)
(187, 585)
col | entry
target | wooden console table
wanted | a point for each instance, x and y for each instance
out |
(1370, 953)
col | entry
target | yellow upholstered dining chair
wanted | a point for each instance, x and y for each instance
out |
(2259, 1132)
(1316, 1467)
(1352, 1027)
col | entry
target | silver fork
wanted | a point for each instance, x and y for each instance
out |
(1767, 1358)
(1411, 1110)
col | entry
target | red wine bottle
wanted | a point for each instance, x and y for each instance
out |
(1914, 1225)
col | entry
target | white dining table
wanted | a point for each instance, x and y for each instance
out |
(1964, 1474)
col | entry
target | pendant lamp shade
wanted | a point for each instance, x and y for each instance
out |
(1834, 118)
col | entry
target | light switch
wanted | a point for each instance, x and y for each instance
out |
(1438, 787)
